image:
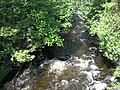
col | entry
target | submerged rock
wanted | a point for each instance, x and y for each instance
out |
(110, 79)
(99, 86)
(57, 67)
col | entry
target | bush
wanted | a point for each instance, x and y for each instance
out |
(88, 8)
(26, 25)
(107, 28)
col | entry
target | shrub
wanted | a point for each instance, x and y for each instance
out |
(107, 28)
(26, 25)
(88, 8)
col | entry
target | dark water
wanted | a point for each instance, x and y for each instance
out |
(76, 66)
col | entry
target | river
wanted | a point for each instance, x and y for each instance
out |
(77, 66)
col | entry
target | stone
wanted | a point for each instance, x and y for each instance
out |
(95, 74)
(93, 48)
(74, 80)
(93, 67)
(65, 84)
(57, 67)
(99, 86)
(110, 79)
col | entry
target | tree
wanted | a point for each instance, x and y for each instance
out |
(26, 25)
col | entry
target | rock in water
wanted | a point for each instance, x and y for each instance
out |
(99, 86)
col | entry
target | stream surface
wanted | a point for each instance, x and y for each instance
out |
(76, 66)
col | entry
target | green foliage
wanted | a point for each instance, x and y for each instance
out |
(4, 70)
(106, 25)
(115, 85)
(107, 29)
(29, 24)
(88, 8)
(7, 31)
(22, 56)
(117, 72)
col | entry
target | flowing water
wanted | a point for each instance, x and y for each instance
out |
(76, 66)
